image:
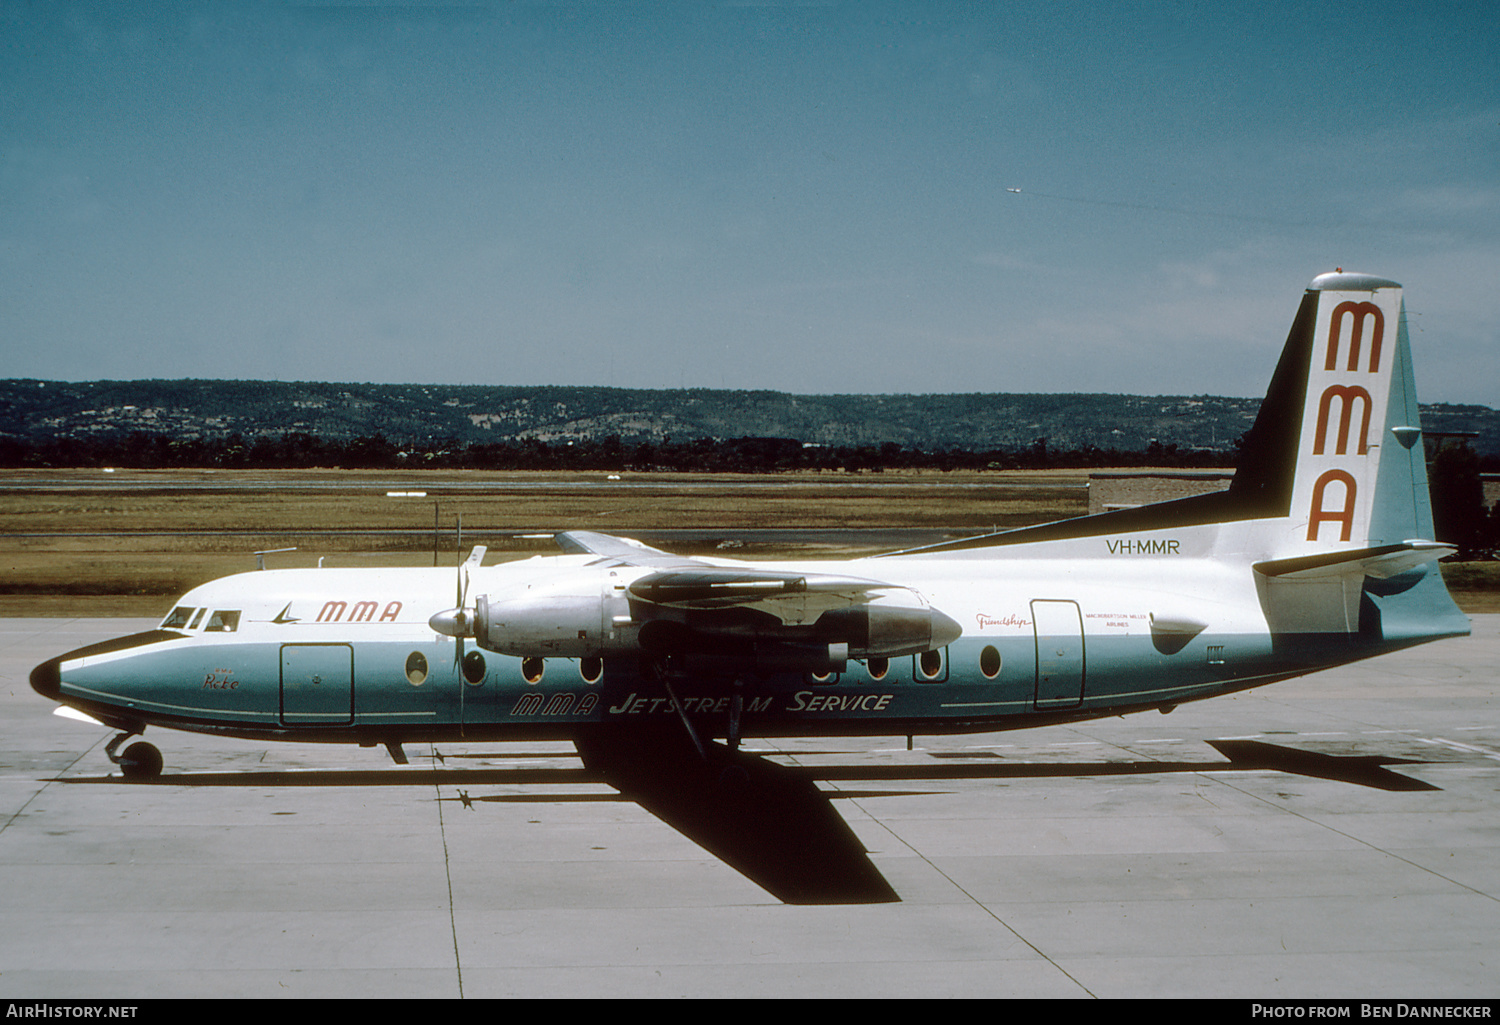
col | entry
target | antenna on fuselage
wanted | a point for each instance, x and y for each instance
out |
(260, 557)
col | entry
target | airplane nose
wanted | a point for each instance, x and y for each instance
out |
(45, 679)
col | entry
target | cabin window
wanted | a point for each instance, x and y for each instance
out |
(931, 667)
(178, 619)
(532, 668)
(878, 667)
(989, 661)
(474, 668)
(416, 669)
(197, 619)
(591, 669)
(224, 621)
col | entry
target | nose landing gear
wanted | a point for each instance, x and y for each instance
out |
(140, 760)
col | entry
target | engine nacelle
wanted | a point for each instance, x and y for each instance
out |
(591, 614)
(889, 631)
(581, 616)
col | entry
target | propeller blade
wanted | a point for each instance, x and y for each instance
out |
(465, 621)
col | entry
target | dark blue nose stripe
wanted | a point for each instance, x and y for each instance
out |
(45, 678)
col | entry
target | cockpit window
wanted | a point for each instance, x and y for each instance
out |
(197, 619)
(226, 621)
(178, 618)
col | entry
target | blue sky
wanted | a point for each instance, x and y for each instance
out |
(807, 197)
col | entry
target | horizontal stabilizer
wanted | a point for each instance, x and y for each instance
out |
(1381, 562)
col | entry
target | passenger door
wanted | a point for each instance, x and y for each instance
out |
(1058, 626)
(317, 684)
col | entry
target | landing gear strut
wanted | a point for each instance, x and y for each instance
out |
(660, 670)
(140, 760)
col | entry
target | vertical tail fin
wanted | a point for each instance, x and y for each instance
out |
(1359, 350)
(1335, 449)
(1336, 467)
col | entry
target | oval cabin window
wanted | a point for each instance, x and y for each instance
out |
(416, 669)
(989, 661)
(930, 666)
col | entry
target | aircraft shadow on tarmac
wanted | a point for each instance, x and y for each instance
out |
(771, 822)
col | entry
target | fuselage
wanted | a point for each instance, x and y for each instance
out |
(348, 655)
(1321, 552)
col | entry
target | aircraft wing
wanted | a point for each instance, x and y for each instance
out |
(688, 585)
(628, 550)
(792, 598)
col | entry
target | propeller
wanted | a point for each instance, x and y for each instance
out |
(458, 622)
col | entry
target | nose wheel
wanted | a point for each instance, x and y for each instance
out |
(140, 760)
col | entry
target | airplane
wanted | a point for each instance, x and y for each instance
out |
(1320, 553)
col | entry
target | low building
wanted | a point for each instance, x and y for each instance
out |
(1128, 489)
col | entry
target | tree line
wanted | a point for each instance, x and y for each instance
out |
(1454, 472)
(141, 450)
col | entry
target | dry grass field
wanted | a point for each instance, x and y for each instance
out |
(92, 543)
(86, 542)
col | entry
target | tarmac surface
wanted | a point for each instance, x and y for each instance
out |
(1333, 837)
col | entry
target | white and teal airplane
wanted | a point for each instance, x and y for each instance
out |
(1320, 553)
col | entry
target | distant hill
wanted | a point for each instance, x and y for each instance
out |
(40, 411)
